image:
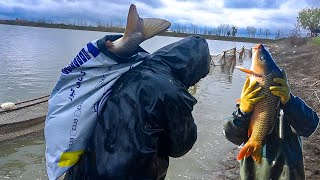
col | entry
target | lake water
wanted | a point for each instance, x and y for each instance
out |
(30, 62)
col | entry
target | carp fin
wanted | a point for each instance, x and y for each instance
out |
(148, 27)
(238, 100)
(248, 71)
(154, 26)
(245, 151)
(257, 154)
(251, 149)
(134, 22)
(137, 30)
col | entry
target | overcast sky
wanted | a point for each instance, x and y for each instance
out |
(241, 13)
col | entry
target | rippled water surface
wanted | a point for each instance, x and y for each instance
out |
(30, 63)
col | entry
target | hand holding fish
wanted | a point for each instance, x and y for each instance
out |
(249, 96)
(282, 91)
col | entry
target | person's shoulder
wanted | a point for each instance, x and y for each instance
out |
(150, 80)
(167, 83)
(160, 82)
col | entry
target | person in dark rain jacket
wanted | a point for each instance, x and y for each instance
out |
(282, 152)
(147, 117)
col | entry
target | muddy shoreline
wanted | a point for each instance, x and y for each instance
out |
(302, 64)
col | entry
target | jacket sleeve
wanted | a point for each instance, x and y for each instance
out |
(181, 131)
(301, 117)
(236, 128)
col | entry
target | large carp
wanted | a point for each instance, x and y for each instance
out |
(265, 113)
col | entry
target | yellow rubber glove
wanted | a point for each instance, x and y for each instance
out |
(282, 91)
(249, 96)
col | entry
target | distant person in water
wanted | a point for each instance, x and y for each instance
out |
(241, 53)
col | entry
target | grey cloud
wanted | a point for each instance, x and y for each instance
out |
(197, 1)
(282, 20)
(116, 10)
(93, 11)
(315, 3)
(248, 4)
(151, 3)
(276, 21)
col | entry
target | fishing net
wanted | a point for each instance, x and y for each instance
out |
(26, 110)
(228, 59)
(226, 62)
(26, 117)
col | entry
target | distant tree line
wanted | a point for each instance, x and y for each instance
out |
(308, 19)
(221, 30)
(227, 30)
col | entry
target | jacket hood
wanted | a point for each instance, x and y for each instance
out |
(189, 59)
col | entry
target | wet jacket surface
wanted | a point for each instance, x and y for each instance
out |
(147, 117)
(282, 157)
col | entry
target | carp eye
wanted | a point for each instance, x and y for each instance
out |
(262, 58)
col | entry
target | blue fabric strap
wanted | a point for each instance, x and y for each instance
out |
(93, 50)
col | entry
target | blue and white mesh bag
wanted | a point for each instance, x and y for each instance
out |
(74, 103)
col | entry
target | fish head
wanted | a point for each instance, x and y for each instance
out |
(262, 62)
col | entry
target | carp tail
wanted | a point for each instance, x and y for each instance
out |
(251, 149)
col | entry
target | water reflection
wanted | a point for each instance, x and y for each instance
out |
(32, 71)
(23, 158)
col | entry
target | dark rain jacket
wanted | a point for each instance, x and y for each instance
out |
(282, 157)
(147, 117)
